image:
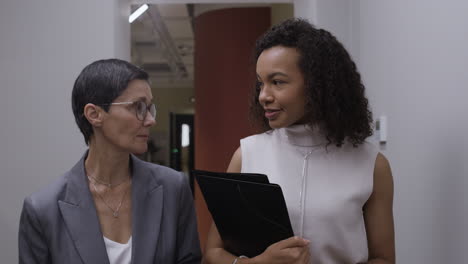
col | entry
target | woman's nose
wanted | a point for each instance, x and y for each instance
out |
(149, 119)
(265, 96)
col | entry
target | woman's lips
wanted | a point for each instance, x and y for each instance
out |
(271, 114)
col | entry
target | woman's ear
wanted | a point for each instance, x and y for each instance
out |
(94, 114)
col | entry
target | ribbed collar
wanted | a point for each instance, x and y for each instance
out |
(303, 135)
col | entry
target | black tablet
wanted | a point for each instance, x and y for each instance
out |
(249, 216)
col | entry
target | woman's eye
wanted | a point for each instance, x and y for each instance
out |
(140, 106)
(277, 82)
(259, 85)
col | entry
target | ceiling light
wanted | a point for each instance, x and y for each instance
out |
(137, 13)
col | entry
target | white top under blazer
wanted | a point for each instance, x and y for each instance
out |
(325, 188)
(119, 253)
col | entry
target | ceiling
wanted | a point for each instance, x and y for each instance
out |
(162, 43)
(162, 40)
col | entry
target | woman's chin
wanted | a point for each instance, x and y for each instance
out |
(274, 124)
(141, 150)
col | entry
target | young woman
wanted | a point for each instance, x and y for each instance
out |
(310, 102)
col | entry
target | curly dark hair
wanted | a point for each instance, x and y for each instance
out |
(335, 94)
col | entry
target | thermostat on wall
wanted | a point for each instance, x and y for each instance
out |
(381, 129)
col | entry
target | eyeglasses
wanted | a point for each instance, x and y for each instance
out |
(141, 108)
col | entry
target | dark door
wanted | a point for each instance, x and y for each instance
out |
(182, 141)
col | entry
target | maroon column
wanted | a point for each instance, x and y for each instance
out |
(224, 77)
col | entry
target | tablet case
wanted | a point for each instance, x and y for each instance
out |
(250, 177)
(250, 213)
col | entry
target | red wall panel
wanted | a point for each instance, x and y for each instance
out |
(224, 78)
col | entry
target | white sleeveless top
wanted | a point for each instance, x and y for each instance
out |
(118, 253)
(332, 185)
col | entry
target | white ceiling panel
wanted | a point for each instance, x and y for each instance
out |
(173, 10)
(179, 28)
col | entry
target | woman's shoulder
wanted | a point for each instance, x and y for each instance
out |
(162, 174)
(46, 197)
(369, 149)
(365, 147)
(261, 137)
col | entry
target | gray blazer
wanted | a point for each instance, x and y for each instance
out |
(59, 224)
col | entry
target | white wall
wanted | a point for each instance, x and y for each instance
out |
(332, 15)
(414, 59)
(413, 56)
(43, 47)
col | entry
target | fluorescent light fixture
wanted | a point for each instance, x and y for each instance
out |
(137, 13)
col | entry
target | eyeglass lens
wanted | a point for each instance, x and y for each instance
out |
(142, 109)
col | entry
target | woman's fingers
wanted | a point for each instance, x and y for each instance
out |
(292, 242)
(305, 256)
(291, 250)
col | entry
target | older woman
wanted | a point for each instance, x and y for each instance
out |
(112, 207)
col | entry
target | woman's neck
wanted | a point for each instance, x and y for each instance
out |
(107, 166)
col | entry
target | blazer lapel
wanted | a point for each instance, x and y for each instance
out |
(79, 213)
(147, 206)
